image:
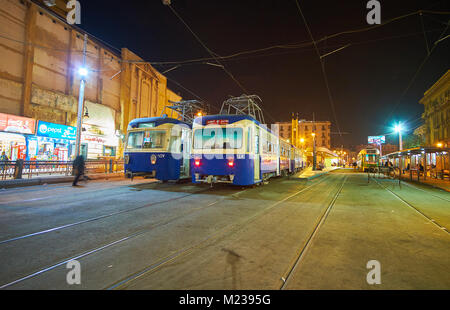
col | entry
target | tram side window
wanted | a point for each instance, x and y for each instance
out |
(146, 140)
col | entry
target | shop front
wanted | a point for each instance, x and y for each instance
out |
(14, 131)
(52, 142)
(98, 137)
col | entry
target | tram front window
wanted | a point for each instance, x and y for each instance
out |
(218, 138)
(146, 140)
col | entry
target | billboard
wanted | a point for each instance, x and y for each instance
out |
(377, 139)
(17, 124)
(57, 131)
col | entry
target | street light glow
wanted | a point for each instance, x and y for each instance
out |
(83, 72)
(398, 128)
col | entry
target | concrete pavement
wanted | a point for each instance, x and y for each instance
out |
(144, 235)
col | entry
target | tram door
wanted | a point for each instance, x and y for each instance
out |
(257, 156)
(186, 151)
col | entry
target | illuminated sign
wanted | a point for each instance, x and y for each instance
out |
(377, 139)
(217, 122)
(17, 124)
(57, 131)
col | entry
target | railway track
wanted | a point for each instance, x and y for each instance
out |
(97, 218)
(417, 210)
(227, 230)
(286, 278)
(112, 243)
(180, 253)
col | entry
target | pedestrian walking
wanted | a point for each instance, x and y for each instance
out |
(78, 168)
(3, 161)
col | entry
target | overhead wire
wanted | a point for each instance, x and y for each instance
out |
(322, 65)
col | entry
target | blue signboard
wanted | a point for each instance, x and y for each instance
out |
(57, 131)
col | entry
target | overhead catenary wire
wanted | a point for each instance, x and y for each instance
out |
(413, 79)
(215, 57)
(322, 65)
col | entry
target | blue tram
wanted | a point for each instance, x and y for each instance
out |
(237, 149)
(158, 147)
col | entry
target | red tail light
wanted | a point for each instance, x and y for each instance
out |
(231, 163)
(197, 163)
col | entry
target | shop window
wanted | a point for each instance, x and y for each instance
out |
(109, 151)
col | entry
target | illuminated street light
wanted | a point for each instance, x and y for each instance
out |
(83, 72)
(199, 114)
(439, 145)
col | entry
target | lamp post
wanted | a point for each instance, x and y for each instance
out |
(83, 72)
(399, 129)
(314, 152)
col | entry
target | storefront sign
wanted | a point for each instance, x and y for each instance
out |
(57, 131)
(17, 124)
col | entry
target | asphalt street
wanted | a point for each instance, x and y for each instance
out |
(287, 234)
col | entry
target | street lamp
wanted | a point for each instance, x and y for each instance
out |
(440, 145)
(399, 128)
(314, 152)
(83, 72)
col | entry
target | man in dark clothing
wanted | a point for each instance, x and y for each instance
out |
(78, 168)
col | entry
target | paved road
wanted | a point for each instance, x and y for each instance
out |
(289, 234)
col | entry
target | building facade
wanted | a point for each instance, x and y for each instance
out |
(322, 130)
(436, 117)
(40, 54)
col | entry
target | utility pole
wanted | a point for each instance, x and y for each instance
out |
(83, 73)
(314, 144)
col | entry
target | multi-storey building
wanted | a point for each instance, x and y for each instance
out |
(436, 101)
(40, 55)
(321, 129)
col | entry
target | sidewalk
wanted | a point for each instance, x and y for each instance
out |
(309, 174)
(437, 183)
(53, 179)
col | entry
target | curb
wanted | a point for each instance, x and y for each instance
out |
(54, 180)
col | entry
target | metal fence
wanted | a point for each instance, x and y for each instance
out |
(28, 169)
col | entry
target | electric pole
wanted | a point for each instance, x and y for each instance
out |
(83, 73)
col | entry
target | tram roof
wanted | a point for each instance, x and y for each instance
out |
(416, 151)
(231, 118)
(157, 121)
(203, 120)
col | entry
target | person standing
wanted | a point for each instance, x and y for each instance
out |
(78, 168)
(3, 161)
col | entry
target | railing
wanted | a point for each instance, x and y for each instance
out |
(20, 169)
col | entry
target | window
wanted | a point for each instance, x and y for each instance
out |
(146, 140)
(218, 138)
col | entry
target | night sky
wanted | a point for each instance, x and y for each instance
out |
(367, 79)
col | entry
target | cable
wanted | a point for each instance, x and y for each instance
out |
(216, 58)
(417, 73)
(207, 49)
(323, 70)
(299, 44)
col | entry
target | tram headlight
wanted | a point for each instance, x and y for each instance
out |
(197, 163)
(153, 159)
(231, 163)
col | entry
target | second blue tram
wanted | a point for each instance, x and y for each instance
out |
(158, 147)
(237, 149)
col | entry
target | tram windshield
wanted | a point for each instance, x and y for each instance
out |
(218, 138)
(149, 139)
